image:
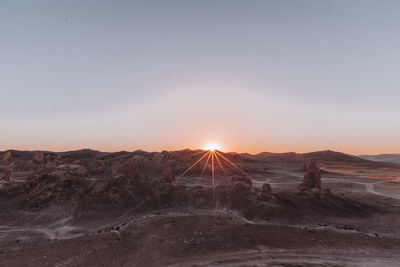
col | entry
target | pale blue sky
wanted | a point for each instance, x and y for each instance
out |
(250, 75)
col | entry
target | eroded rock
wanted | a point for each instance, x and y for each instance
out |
(266, 192)
(74, 170)
(168, 174)
(57, 186)
(7, 175)
(312, 178)
(160, 158)
(6, 158)
(97, 165)
(38, 157)
(239, 194)
(131, 167)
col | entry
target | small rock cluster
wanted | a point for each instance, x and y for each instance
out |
(240, 194)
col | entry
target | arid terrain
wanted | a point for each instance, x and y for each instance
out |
(90, 208)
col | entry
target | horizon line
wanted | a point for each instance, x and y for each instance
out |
(192, 149)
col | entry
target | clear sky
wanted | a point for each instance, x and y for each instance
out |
(250, 75)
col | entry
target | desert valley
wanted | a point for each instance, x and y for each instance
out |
(90, 208)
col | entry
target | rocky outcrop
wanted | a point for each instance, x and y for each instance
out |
(123, 191)
(74, 170)
(131, 167)
(237, 179)
(7, 175)
(239, 194)
(65, 160)
(266, 192)
(38, 157)
(43, 189)
(168, 174)
(97, 165)
(65, 171)
(312, 178)
(6, 158)
(160, 159)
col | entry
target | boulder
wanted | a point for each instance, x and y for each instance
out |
(266, 192)
(240, 187)
(50, 157)
(38, 157)
(97, 165)
(239, 195)
(246, 180)
(312, 178)
(7, 175)
(236, 190)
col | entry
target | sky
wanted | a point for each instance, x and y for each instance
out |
(251, 76)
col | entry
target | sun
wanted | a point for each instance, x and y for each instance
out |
(212, 146)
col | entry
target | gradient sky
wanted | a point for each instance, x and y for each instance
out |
(250, 75)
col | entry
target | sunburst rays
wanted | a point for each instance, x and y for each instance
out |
(214, 155)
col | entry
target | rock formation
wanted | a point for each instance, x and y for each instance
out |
(6, 158)
(97, 165)
(7, 175)
(129, 167)
(38, 157)
(312, 178)
(74, 170)
(266, 192)
(42, 189)
(160, 158)
(168, 174)
(245, 180)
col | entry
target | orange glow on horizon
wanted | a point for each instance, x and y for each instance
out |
(234, 146)
(212, 146)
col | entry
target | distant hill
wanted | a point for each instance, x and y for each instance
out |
(321, 156)
(392, 158)
(326, 156)
(329, 155)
